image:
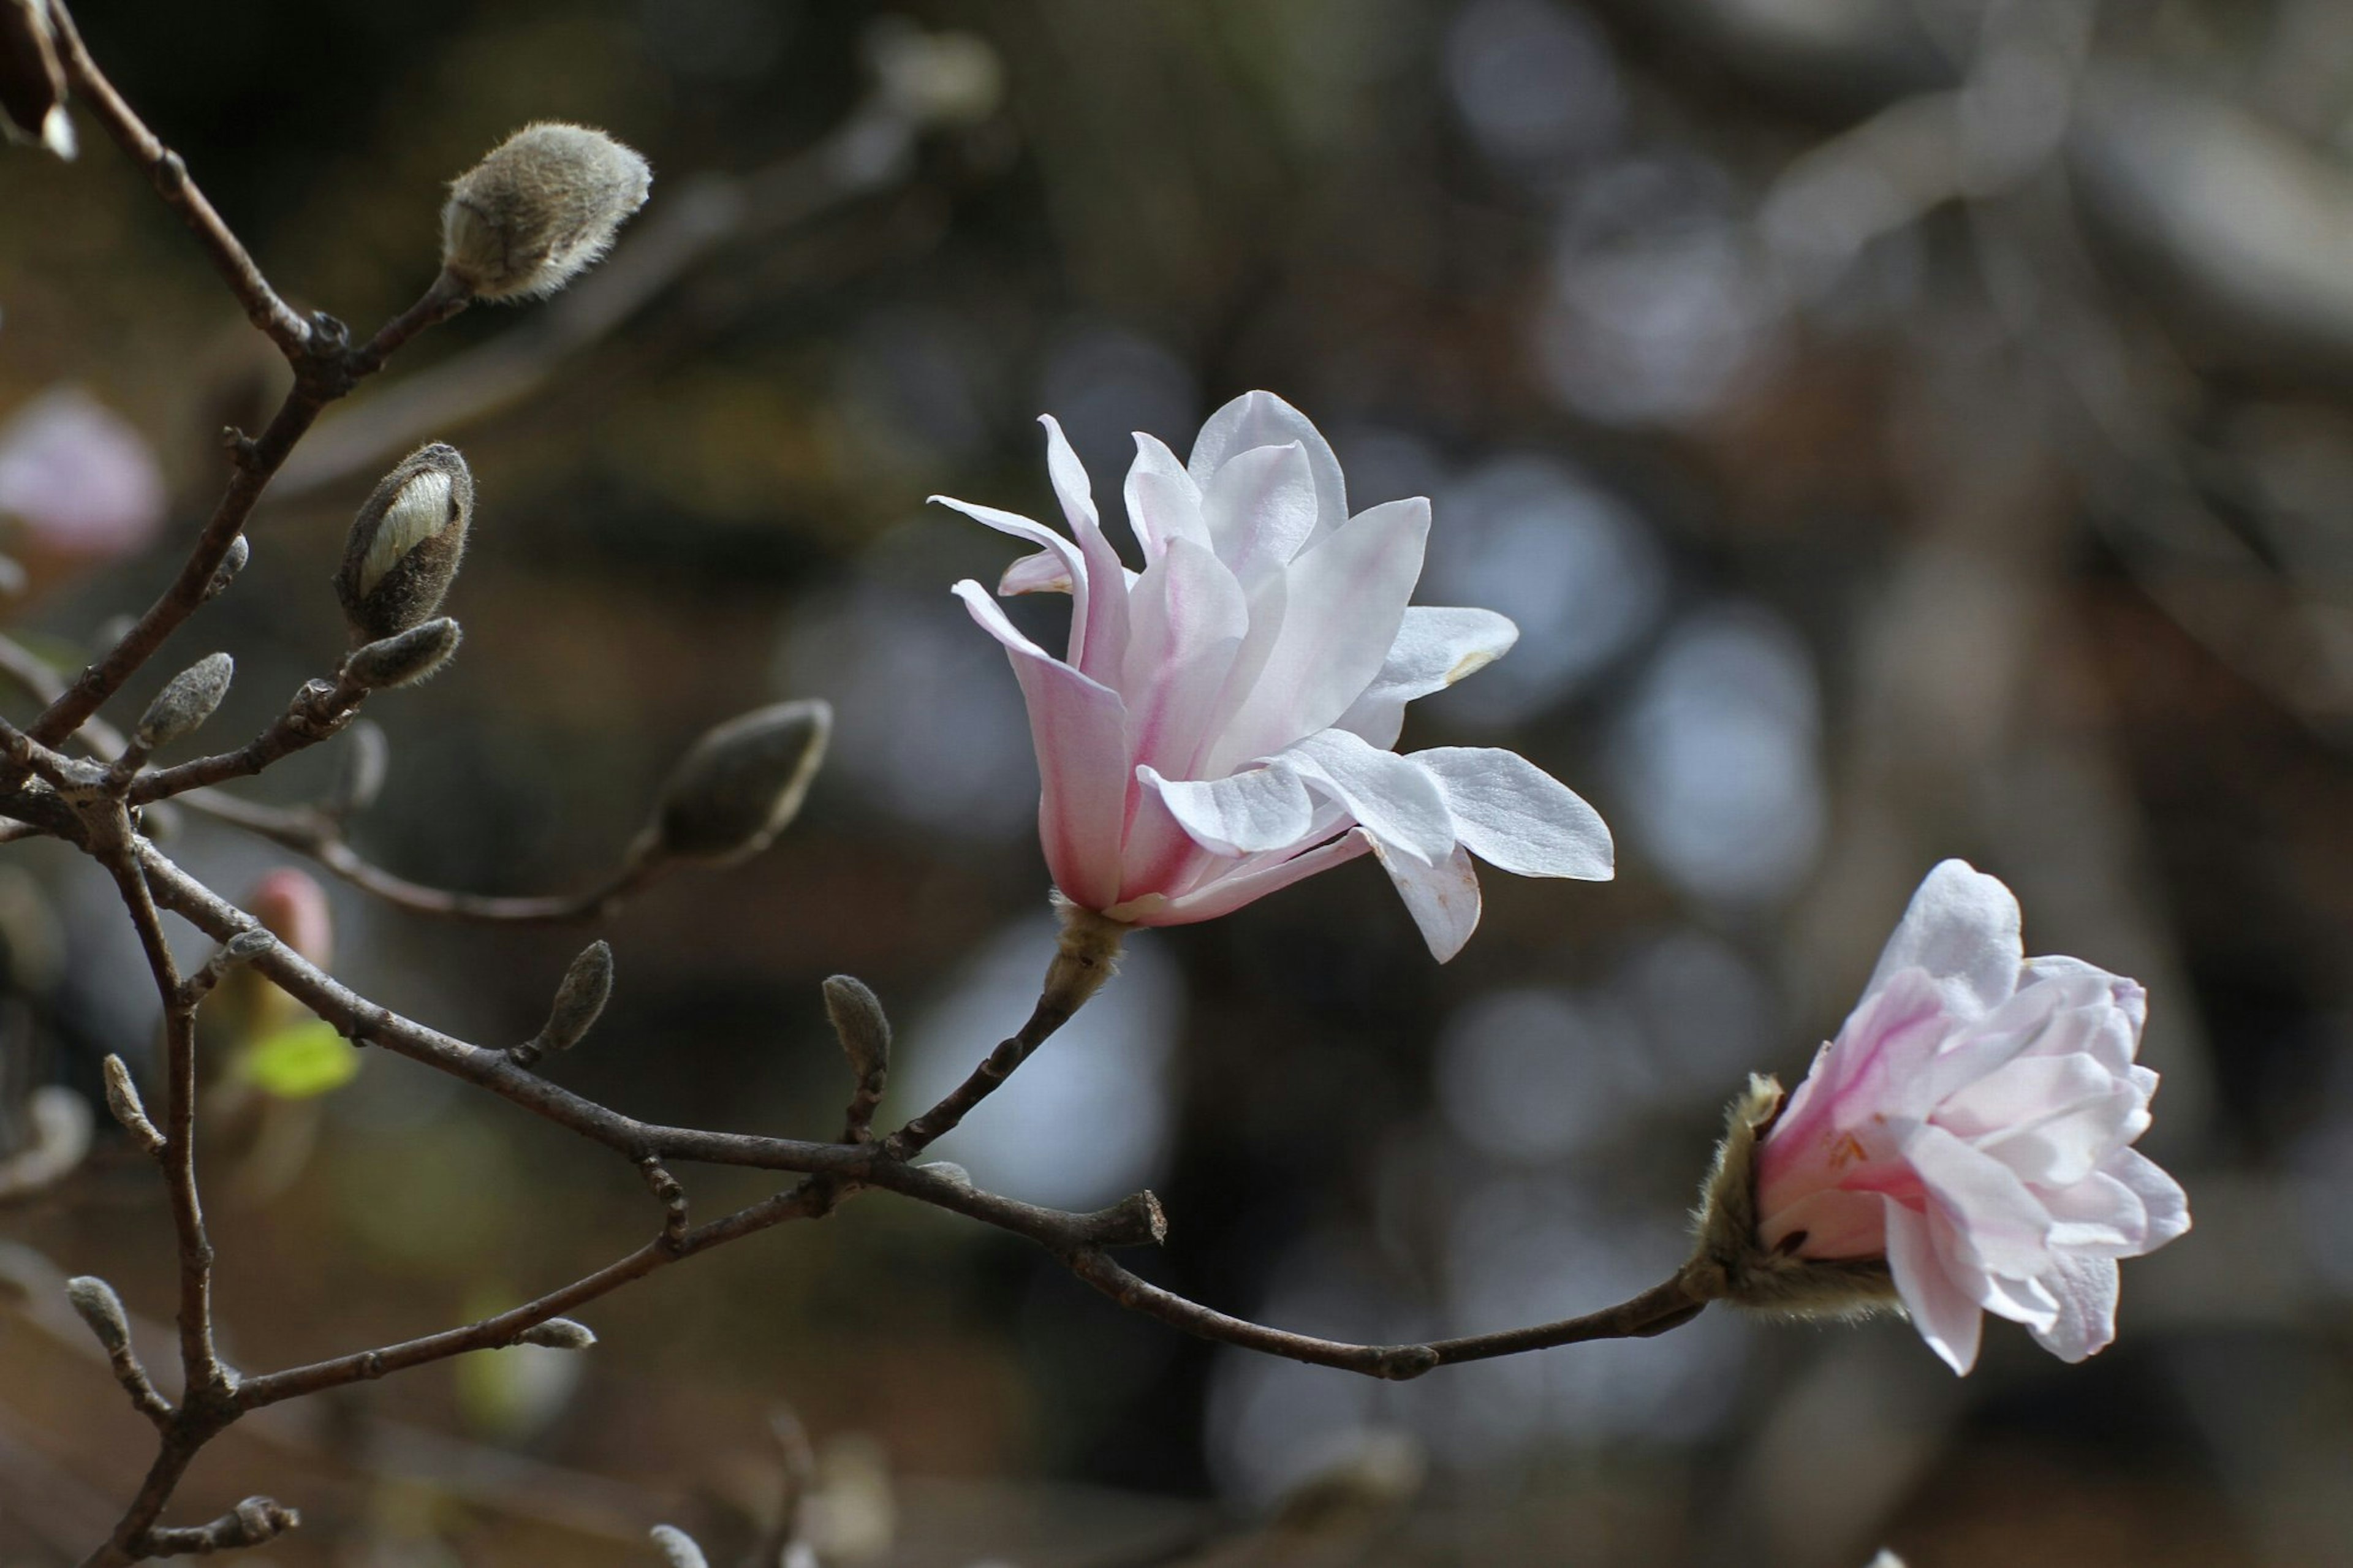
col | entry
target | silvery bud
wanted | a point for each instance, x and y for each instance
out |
(580, 999)
(187, 700)
(859, 1021)
(405, 544)
(737, 786)
(360, 769)
(405, 658)
(240, 550)
(31, 80)
(122, 1100)
(96, 1303)
(678, 1548)
(539, 210)
(558, 1335)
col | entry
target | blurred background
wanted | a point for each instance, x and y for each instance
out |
(1901, 428)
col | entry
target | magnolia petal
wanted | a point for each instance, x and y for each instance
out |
(1394, 800)
(1962, 927)
(1247, 813)
(1262, 419)
(1516, 816)
(2053, 1119)
(1044, 572)
(1225, 894)
(1259, 507)
(1436, 646)
(1443, 899)
(1946, 1318)
(2168, 1204)
(2000, 1223)
(1344, 597)
(1163, 502)
(2085, 1288)
(1069, 475)
(1188, 617)
(1046, 539)
(1078, 728)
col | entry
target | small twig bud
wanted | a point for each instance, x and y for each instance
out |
(678, 1548)
(98, 1306)
(359, 771)
(542, 209)
(580, 998)
(405, 658)
(240, 550)
(739, 785)
(558, 1335)
(405, 542)
(864, 1031)
(187, 700)
(948, 1171)
(122, 1100)
(32, 78)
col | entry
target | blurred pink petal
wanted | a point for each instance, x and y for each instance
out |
(77, 478)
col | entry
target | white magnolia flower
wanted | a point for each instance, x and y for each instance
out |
(1222, 724)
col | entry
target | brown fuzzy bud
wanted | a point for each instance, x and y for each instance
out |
(1730, 1263)
(539, 210)
(580, 999)
(187, 700)
(678, 1548)
(96, 1303)
(405, 659)
(31, 80)
(558, 1335)
(405, 545)
(739, 785)
(860, 1024)
(122, 1100)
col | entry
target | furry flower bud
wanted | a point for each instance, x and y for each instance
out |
(187, 700)
(122, 1100)
(859, 1022)
(541, 209)
(558, 1335)
(240, 550)
(405, 545)
(678, 1548)
(405, 658)
(738, 786)
(580, 999)
(96, 1303)
(32, 81)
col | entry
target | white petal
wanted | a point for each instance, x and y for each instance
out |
(2001, 1225)
(1247, 813)
(1163, 502)
(1225, 894)
(1962, 928)
(1259, 507)
(1517, 817)
(1078, 728)
(1188, 619)
(1394, 801)
(1946, 1318)
(1046, 539)
(1262, 419)
(1044, 572)
(1443, 898)
(1069, 475)
(2168, 1206)
(1343, 601)
(2085, 1288)
(1435, 648)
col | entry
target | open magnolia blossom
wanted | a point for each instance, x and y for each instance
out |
(1221, 725)
(1972, 1124)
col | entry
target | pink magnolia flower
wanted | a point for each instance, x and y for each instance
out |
(1972, 1123)
(1221, 724)
(80, 481)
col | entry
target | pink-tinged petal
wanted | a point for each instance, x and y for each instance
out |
(1068, 476)
(1516, 816)
(1260, 507)
(1999, 1222)
(1035, 532)
(2127, 994)
(1394, 801)
(1188, 617)
(1247, 813)
(2168, 1204)
(1223, 895)
(1044, 572)
(1344, 598)
(2052, 1120)
(1962, 928)
(2020, 1300)
(1078, 728)
(1435, 648)
(1159, 857)
(1834, 1223)
(1262, 419)
(2085, 1288)
(1163, 502)
(2098, 1215)
(1946, 1316)
(1443, 899)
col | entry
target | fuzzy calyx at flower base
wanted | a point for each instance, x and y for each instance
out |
(1963, 1147)
(1221, 724)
